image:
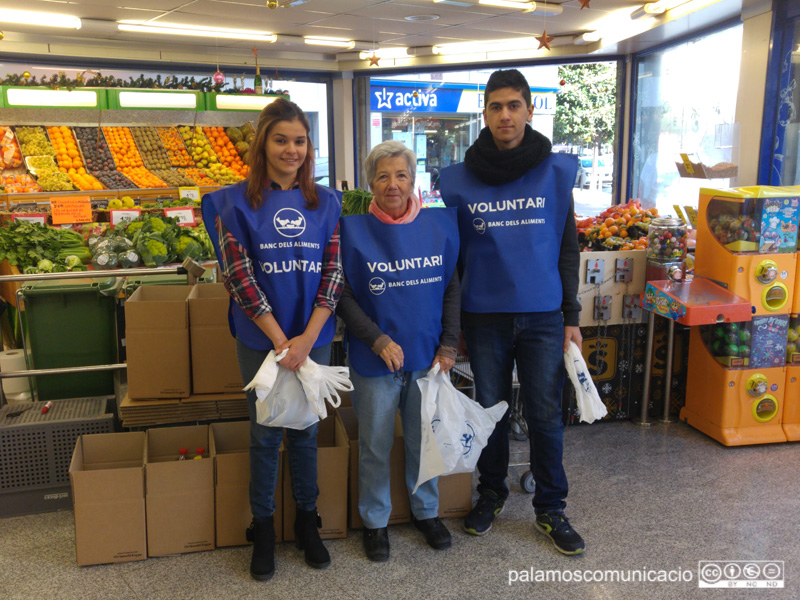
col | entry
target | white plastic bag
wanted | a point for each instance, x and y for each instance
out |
(455, 428)
(322, 383)
(590, 406)
(296, 399)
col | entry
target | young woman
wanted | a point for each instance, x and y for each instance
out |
(278, 244)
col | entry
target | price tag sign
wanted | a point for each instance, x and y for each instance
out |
(124, 215)
(192, 193)
(687, 163)
(75, 209)
(692, 214)
(185, 216)
(40, 218)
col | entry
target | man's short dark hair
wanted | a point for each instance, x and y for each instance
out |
(510, 78)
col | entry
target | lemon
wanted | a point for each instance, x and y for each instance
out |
(127, 202)
(114, 204)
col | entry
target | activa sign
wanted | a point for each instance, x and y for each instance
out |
(387, 98)
(405, 99)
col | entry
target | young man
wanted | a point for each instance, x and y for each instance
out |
(519, 251)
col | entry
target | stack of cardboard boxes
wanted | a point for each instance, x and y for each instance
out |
(181, 357)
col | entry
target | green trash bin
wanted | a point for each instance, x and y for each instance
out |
(72, 323)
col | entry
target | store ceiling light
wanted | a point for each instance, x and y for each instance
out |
(196, 31)
(656, 8)
(386, 53)
(522, 5)
(586, 38)
(28, 17)
(505, 45)
(326, 41)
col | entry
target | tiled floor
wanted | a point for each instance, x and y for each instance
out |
(644, 500)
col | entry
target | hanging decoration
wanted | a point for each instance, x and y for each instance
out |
(544, 40)
(373, 60)
(2, 35)
(585, 4)
(218, 77)
(60, 81)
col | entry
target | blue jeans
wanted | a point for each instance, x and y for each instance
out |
(535, 341)
(376, 401)
(265, 444)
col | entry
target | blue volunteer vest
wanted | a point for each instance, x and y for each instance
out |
(398, 274)
(511, 235)
(285, 241)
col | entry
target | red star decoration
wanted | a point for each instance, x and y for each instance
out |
(254, 51)
(544, 40)
(373, 60)
(585, 4)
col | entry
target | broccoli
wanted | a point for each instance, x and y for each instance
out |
(45, 266)
(157, 224)
(133, 228)
(188, 246)
(72, 261)
(153, 250)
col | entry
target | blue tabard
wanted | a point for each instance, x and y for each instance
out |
(511, 235)
(398, 274)
(285, 242)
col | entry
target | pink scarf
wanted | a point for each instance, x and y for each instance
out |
(413, 210)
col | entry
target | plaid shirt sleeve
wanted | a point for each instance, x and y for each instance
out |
(238, 275)
(332, 284)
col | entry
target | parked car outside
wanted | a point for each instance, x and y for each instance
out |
(605, 171)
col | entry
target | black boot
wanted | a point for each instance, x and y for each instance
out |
(262, 533)
(306, 535)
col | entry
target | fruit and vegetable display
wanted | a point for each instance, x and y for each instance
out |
(356, 202)
(62, 158)
(230, 154)
(175, 148)
(150, 147)
(619, 227)
(10, 154)
(33, 142)
(36, 248)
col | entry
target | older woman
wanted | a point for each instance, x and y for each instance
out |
(401, 305)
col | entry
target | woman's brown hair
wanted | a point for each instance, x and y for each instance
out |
(275, 112)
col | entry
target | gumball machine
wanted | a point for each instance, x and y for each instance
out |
(736, 383)
(666, 249)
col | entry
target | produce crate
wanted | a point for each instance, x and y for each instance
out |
(133, 283)
(72, 323)
(36, 451)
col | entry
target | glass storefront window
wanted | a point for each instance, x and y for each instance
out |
(686, 105)
(784, 123)
(440, 114)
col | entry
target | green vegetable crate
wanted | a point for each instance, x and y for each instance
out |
(72, 323)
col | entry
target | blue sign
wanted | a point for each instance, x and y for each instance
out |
(401, 99)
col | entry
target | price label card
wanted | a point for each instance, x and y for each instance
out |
(679, 213)
(185, 216)
(128, 215)
(692, 214)
(40, 218)
(192, 193)
(687, 163)
(74, 209)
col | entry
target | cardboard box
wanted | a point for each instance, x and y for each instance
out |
(215, 367)
(332, 463)
(230, 448)
(455, 495)
(401, 507)
(180, 493)
(157, 342)
(107, 479)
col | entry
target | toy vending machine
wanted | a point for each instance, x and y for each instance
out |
(736, 383)
(791, 408)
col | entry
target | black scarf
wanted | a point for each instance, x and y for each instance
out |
(495, 167)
